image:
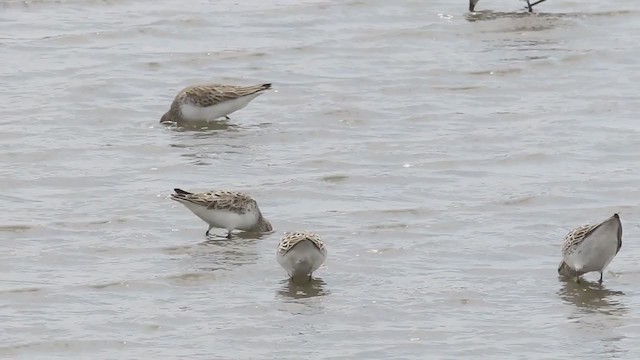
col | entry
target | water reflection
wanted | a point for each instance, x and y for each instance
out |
(519, 22)
(203, 140)
(498, 29)
(591, 297)
(207, 127)
(303, 289)
(487, 15)
(216, 254)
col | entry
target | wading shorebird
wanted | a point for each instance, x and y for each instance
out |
(300, 254)
(210, 102)
(224, 209)
(591, 248)
(530, 5)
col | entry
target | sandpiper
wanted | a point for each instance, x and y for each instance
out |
(530, 5)
(300, 254)
(210, 102)
(591, 248)
(225, 209)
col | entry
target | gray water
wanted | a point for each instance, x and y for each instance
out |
(441, 155)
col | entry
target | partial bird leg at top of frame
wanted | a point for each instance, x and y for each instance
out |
(530, 5)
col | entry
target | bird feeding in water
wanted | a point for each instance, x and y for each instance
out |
(210, 102)
(300, 254)
(224, 209)
(591, 248)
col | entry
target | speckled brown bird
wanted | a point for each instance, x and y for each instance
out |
(210, 102)
(300, 254)
(591, 247)
(224, 209)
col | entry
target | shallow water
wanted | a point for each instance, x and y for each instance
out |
(441, 155)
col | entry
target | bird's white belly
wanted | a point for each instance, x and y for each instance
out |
(225, 219)
(230, 220)
(193, 112)
(593, 254)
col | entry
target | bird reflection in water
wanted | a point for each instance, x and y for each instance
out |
(202, 141)
(202, 127)
(521, 21)
(484, 15)
(216, 254)
(302, 289)
(592, 297)
(228, 254)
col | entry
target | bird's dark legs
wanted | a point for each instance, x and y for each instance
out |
(600, 281)
(229, 235)
(530, 5)
(537, 2)
(207, 233)
(309, 277)
(577, 277)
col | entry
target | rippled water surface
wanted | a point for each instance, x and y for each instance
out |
(442, 156)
